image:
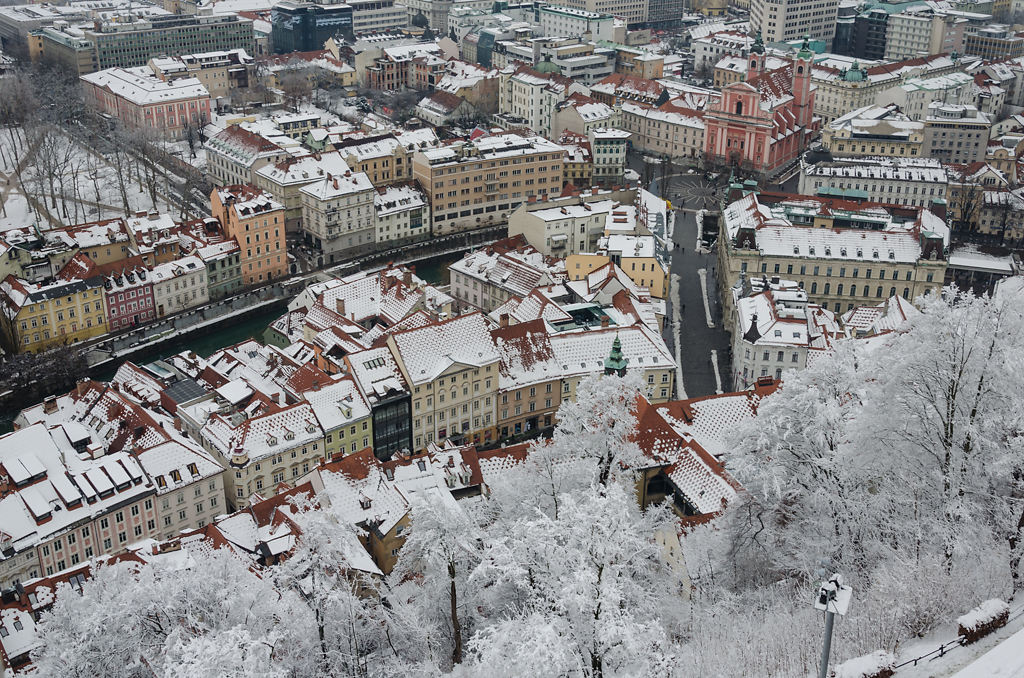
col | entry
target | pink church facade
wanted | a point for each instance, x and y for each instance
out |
(763, 124)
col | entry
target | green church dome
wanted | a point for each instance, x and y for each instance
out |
(548, 66)
(854, 74)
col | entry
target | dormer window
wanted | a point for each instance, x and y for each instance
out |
(364, 502)
(874, 254)
(842, 252)
(828, 251)
(810, 250)
(161, 482)
(271, 440)
(860, 252)
(892, 255)
(193, 469)
(310, 428)
(289, 435)
(796, 249)
(176, 475)
(421, 465)
(778, 333)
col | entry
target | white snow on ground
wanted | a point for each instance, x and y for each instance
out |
(958, 659)
(97, 193)
(16, 208)
(1005, 659)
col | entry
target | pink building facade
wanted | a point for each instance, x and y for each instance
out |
(141, 100)
(763, 124)
(129, 297)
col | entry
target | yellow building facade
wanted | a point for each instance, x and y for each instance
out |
(37, 318)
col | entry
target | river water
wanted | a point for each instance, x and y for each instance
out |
(434, 271)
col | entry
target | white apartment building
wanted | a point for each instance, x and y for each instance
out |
(788, 20)
(632, 11)
(338, 214)
(574, 23)
(580, 114)
(532, 98)
(264, 451)
(569, 226)
(709, 49)
(402, 212)
(234, 153)
(667, 130)
(179, 285)
(373, 16)
(956, 133)
(609, 154)
(916, 94)
(921, 32)
(892, 180)
(189, 486)
(776, 331)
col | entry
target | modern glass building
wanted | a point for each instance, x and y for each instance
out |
(305, 26)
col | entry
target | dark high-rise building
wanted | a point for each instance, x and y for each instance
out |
(299, 26)
(869, 34)
(664, 13)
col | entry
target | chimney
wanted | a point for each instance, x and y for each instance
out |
(340, 307)
(81, 387)
(503, 320)
(604, 321)
(49, 404)
(938, 208)
(407, 277)
(335, 184)
(139, 215)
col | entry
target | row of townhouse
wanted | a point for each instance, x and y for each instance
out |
(121, 273)
(90, 472)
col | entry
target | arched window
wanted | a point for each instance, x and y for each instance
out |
(799, 70)
(753, 63)
(739, 108)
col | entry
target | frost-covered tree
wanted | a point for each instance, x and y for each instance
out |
(804, 484)
(429, 583)
(597, 427)
(129, 617)
(342, 601)
(945, 400)
(594, 576)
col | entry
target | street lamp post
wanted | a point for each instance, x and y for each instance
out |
(833, 598)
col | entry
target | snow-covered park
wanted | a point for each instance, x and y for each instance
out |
(50, 179)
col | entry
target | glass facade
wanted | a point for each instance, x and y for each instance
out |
(300, 27)
(392, 426)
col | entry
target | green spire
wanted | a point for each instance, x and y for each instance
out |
(805, 49)
(758, 46)
(615, 363)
